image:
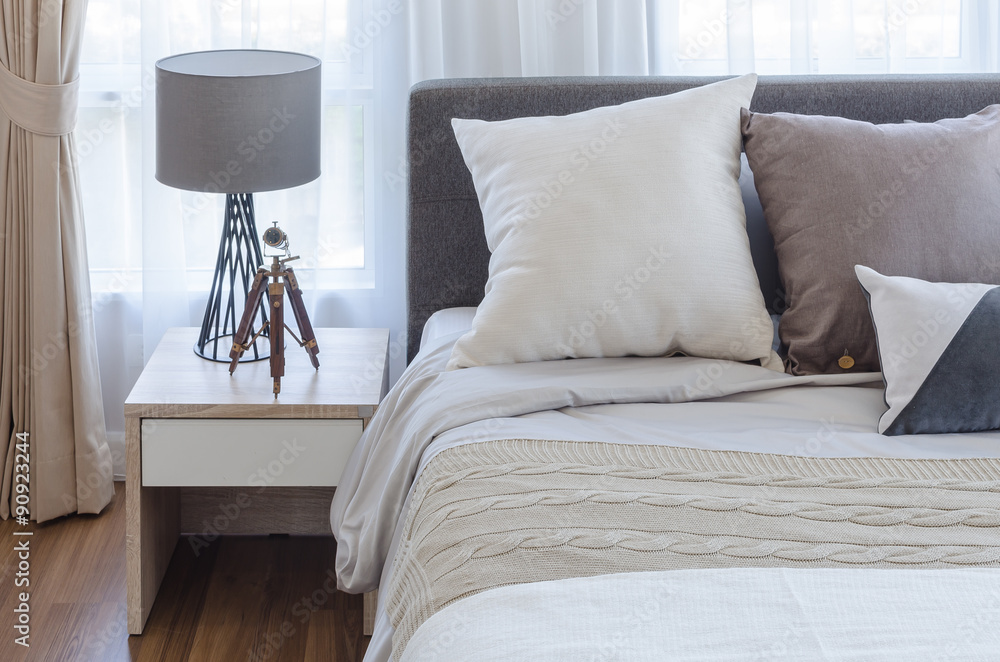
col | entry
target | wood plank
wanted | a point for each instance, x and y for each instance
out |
(152, 527)
(333, 634)
(78, 594)
(272, 588)
(206, 511)
(301, 585)
(72, 577)
(133, 522)
(370, 605)
(77, 586)
(324, 640)
(169, 633)
(269, 410)
(176, 382)
(79, 631)
(234, 603)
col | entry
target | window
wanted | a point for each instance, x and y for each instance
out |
(328, 221)
(821, 36)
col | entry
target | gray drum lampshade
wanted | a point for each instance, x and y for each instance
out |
(237, 121)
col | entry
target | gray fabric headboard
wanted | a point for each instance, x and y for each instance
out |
(447, 258)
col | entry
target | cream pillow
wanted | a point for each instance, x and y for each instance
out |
(616, 231)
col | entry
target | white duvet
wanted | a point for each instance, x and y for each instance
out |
(734, 614)
(677, 401)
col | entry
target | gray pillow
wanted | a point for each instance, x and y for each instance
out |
(913, 199)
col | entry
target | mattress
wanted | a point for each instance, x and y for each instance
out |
(696, 405)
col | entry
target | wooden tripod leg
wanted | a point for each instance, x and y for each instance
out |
(243, 331)
(276, 295)
(302, 317)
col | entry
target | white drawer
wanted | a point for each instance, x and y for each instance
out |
(246, 452)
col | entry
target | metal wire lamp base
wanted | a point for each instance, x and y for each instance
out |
(235, 268)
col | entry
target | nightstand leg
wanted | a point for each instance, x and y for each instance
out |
(371, 601)
(152, 528)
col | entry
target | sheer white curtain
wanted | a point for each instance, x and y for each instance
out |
(453, 38)
(153, 248)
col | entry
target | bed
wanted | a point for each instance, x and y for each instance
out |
(691, 506)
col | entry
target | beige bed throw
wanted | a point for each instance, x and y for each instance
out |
(508, 512)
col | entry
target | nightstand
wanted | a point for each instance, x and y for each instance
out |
(209, 454)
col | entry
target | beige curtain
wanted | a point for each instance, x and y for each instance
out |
(49, 381)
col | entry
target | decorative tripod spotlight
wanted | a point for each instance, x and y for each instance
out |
(277, 278)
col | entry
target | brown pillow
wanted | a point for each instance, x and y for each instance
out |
(917, 200)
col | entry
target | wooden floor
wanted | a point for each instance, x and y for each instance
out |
(242, 598)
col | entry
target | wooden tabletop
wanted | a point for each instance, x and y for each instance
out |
(350, 382)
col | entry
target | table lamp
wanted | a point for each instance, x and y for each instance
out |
(236, 122)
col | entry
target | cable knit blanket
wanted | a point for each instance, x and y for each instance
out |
(498, 513)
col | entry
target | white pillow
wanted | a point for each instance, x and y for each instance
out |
(616, 231)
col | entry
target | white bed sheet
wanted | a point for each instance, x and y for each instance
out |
(804, 421)
(725, 614)
(446, 322)
(829, 416)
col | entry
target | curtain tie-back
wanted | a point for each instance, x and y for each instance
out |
(46, 110)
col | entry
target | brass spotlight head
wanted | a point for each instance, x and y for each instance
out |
(275, 237)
